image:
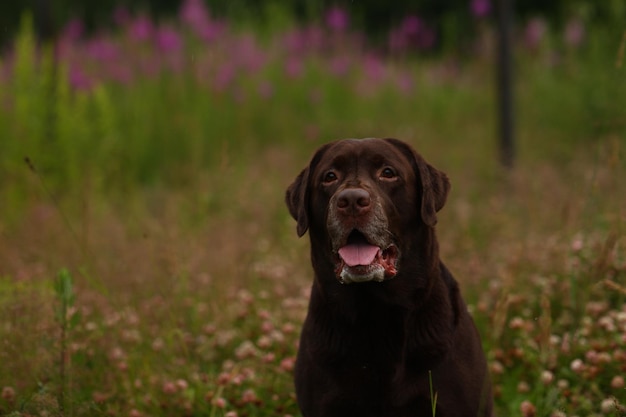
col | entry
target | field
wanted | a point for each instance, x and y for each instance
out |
(148, 265)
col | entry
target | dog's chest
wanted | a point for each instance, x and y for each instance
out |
(372, 343)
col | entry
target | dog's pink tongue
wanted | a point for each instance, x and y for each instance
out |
(358, 254)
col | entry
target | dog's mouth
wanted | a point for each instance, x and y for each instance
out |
(361, 261)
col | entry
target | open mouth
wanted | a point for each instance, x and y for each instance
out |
(361, 261)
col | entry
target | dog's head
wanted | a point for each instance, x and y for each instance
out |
(363, 202)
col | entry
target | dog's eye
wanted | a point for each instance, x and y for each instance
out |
(329, 177)
(388, 173)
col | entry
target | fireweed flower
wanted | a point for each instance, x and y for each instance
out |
(294, 41)
(315, 39)
(78, 79)
(411, 25)
(224, 77)
(102, 49)
(535, 32)
(337, 19)
(121, 16)
(374, 69)
(249, 56)
(412, 33)
(418, 33)
(213, 31)
(404, 83)
(574, 33)
(480, 8)
(339, 65)
(168, 42)
(167, 39)
(141, 28)
(194, 14)
(73, 30)
(294, 67)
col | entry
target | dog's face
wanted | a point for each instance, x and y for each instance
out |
(359, 198)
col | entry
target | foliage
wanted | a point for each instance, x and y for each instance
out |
(157, 155)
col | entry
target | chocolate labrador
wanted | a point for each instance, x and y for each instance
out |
(387, 333)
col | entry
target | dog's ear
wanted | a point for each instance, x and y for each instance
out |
(298, 193)
(435, 184)
(296, 198)
(435, 188)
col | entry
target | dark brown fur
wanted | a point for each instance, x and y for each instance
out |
(367, 348)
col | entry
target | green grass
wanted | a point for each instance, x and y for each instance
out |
(189, 286)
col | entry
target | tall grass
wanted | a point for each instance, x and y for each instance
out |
(159, 185)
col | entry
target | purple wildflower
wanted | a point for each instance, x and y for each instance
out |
(78, 79)
(404, 83)
(102, 49)
(149, 65)
(293, 67)
(121, 16)
(224, 76)
(73, 30)
(534, 32)
(194, 14)
(294, 41)
(411, 25)
(337, 19)
(480, 8)
(412, 33)
(212, 31)
(574, 32)
(426, 38)
(397, 41)
(119, 72)
(141, 28)
(314, 38)
(374, 68)
(249, 55)
(167, 39)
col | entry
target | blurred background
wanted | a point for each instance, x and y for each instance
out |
(452, 19)
(209, 55)
(148, 265)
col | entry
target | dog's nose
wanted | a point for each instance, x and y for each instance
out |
(354, 201)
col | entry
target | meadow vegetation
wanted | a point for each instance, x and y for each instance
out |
(148, 265)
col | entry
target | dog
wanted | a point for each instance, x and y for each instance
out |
(387, 333)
